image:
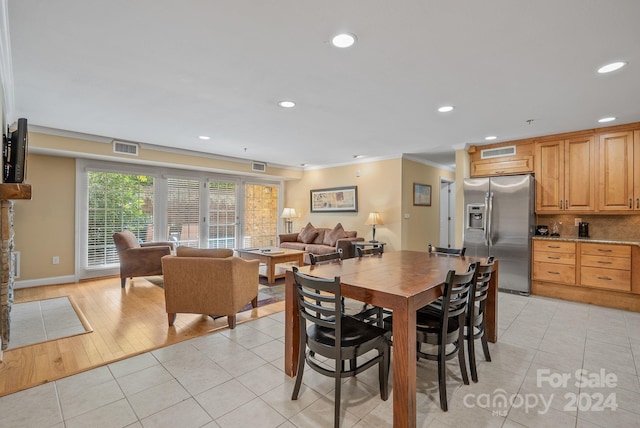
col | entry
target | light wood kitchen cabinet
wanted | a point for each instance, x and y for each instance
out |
(495, 167)
(605, 266)
(565, 175)
(554, 262)
(617, 154)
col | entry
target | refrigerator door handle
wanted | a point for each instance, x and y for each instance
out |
(489, 214)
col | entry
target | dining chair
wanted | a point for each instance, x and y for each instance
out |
(376, 250)
(448, 251)
(370, 313)
(446, 327)
(475, 322)
(326, 332)
(325, 258)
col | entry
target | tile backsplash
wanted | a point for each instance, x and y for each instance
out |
(611, 227)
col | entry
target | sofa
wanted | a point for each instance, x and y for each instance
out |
(321, 240)
(208, 281)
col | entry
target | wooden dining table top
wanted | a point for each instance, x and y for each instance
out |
(402, 281)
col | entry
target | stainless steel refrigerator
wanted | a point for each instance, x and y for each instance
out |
(499, 221)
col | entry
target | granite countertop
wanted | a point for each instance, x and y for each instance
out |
(576, 239)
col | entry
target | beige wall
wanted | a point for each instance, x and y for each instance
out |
(379, 187)
(463, 170)
(45, 225)
(423, 225)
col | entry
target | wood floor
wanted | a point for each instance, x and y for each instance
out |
(125, 322)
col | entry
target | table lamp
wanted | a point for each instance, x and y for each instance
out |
(374, 218)
(288, 214)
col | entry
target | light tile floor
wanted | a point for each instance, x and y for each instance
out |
(234, 378)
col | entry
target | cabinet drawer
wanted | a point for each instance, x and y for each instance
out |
(564, 274)
(623, 263)
(606, 250)
(611, 279)
(489, 167)
(554, 246)
(551, 257)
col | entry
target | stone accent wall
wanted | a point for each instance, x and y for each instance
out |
(6, 270)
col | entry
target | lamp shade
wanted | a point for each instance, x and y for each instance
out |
(288, 213)
(373, 219)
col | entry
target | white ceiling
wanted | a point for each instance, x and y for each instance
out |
(164, 72)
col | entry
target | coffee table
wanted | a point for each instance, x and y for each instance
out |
(271, 256)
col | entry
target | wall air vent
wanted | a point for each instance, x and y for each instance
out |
(498, 152)
(259, 166)
(123, 148)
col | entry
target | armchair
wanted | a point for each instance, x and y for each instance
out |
(201, 281)
(139, 259)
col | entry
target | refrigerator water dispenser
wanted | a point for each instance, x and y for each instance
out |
(475, 216)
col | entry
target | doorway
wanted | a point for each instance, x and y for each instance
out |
(447, 213)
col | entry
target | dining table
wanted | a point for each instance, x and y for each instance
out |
(401, 281)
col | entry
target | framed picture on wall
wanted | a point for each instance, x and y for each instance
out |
(421, 195)
(337, 199)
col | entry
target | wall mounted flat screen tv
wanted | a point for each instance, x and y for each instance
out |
(14, 153)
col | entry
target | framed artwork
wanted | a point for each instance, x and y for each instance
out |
(422, 194)
(337, 199)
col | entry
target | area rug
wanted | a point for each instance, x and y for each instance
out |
(43, 320)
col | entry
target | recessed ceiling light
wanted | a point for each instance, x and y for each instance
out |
(343, 40)
(607, 119)
(358, 156)
(303, 164)
(490, 137)
(287, 104)
(445, 109)
(611, 67)
(204, 137)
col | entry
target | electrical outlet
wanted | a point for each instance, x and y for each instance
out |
(576, 221)
(55, 260)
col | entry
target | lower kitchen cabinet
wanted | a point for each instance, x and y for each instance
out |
(598, 273)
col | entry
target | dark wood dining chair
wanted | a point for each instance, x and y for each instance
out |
(448, 251)
(374, 251)
(326, 332)
(325, 258)
(370, 313)
(476, 322)
(446, 327)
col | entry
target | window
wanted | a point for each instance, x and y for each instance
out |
(116, 202)
(191, 208)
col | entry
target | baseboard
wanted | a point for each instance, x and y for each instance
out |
(45, 281)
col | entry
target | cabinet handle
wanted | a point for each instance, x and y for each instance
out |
(553, 258)
(637, 203)
(560, 204)
(604, 263)
(500, 172)
(604, 278)
(630, 202)
(566, 204)
(604, 251)
(553, 246)
(553, 273)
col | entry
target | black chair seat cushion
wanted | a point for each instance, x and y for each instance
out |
(354, 332)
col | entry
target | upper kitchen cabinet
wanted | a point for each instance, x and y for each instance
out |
(565, 175)
(619, 189)
(511, 158)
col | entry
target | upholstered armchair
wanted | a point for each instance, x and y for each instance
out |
(210, 282)
(139, 259)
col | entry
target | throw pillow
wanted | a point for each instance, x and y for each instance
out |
(308, 234)
(331, 237)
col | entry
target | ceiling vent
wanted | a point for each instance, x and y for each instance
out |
(122, 148)
(498, 152)
(258, 166)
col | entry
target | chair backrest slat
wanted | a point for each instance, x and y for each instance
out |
(325, 258)
(377, 250)
(319, 300)
(448, 251)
